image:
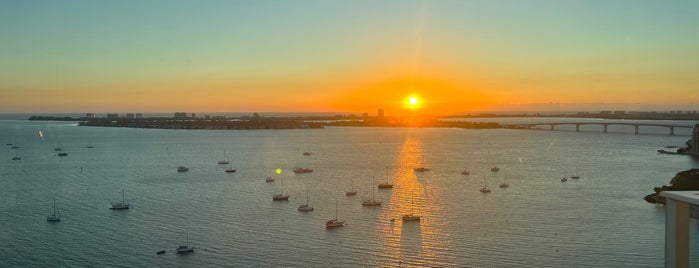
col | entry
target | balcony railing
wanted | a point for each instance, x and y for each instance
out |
(677, 211)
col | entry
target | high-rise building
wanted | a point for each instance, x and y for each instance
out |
(380, 113)
(90, 115)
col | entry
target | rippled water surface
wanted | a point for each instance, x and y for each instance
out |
(599, 220)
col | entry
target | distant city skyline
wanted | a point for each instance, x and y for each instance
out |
(453, 56)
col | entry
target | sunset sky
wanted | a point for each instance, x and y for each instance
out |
(454, 56)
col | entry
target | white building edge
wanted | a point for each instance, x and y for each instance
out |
(677, 211)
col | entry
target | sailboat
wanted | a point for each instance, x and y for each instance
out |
(334, 222)
(62, 153)
(412, 216)
(230, 169)
(504, 183)
(186, 248)
(306, 152)
(305, 207)
(122, 204)
(16, 157)
(351, 191)
(387, 184)
(224, 161)
(575, 177)
(564, 179)
(485, 189)
(269, 179)
(281, 196)
(53, 217)
(371, 202)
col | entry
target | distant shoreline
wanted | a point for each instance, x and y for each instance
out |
(241, 123)
(182, 121)
(620, 115)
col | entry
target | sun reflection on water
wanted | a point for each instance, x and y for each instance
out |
(409, 243)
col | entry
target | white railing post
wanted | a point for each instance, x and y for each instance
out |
(676, 231)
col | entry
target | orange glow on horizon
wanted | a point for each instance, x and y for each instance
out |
(426, 96)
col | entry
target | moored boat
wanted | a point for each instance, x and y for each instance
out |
(302, 170)
(53, 217)
(334, 222)
(371, 202)
(185, 248)
(224, 161)
(122, 204)
(485, 189)
(351, 192)
(305, 207)
(280, 196)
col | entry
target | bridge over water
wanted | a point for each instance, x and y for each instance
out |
(577, 125)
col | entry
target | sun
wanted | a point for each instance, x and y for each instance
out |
(412, 102)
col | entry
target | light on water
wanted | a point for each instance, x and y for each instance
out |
(599, 220)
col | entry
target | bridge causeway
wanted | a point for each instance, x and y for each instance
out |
(577, 125)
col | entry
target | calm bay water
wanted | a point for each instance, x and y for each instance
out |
(599, 220)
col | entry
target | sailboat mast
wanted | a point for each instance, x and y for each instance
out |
(385, 173)
(54, 206)
(412, 202)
